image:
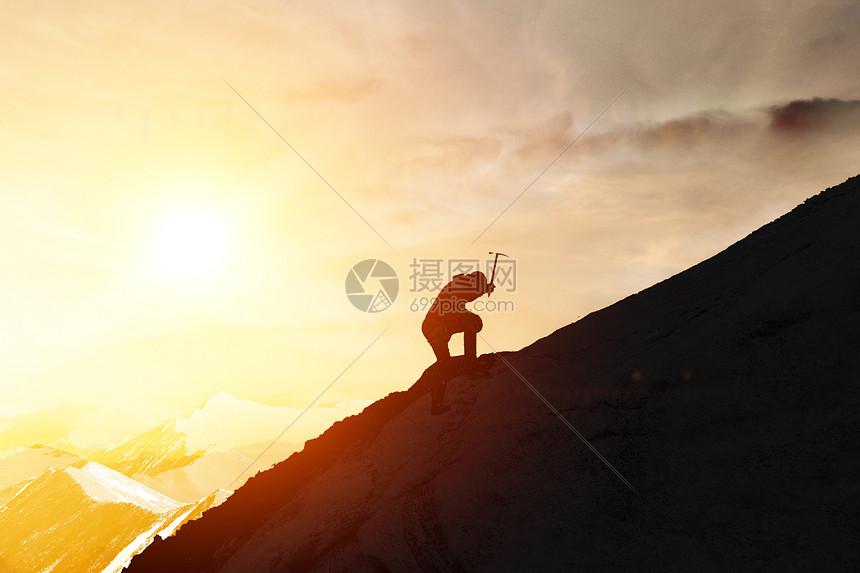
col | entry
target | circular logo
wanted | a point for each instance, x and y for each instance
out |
(372, 285)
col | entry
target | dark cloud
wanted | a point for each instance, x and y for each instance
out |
(712, 137)
(540, 142)
(714, 168)
(801, 116)
(705, 130)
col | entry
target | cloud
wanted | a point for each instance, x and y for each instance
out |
(456, 154)
(659, 194)
(804, 116)
(700, 140)
(716, 168)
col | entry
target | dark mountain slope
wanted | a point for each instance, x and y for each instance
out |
(727, 395)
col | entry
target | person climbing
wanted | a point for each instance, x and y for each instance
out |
(448, 316)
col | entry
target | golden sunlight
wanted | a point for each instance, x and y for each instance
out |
(191, 244)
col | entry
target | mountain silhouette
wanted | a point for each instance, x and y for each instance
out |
(726, 396)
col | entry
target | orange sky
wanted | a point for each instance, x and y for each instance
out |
(429, 118)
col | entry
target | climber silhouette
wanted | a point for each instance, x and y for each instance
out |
(448, 316)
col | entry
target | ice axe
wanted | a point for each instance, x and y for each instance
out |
(495, 261)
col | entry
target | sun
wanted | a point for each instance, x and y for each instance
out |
(191, 244)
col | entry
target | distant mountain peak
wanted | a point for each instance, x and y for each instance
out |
(219, 397)
(157, 450)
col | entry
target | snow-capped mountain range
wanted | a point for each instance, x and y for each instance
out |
(109, 503)
(88, 518)
(94, 510)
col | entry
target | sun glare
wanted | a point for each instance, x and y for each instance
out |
(191, 244)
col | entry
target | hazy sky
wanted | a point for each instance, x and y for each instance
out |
(429, 118)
